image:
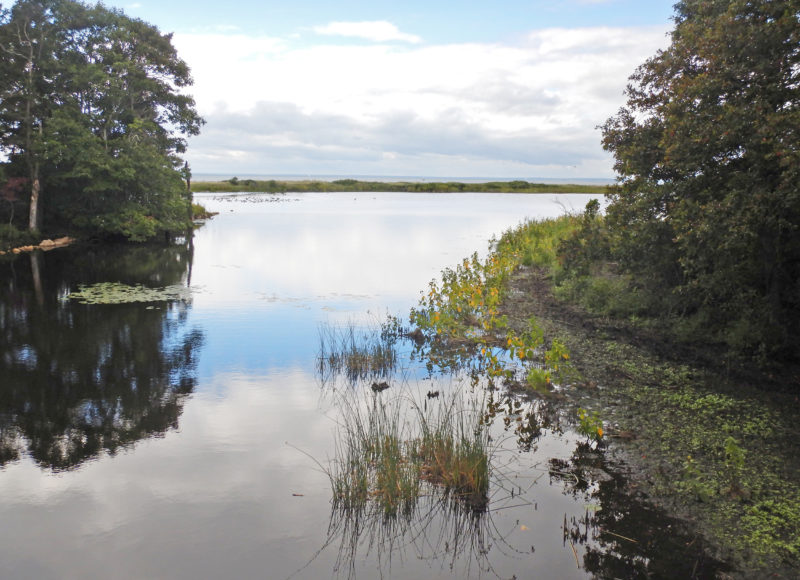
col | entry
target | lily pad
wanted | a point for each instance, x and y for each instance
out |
(118, 293)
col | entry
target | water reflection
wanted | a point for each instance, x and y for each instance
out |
(79, 380)
(441, 531)
(623, 535)
(228, 494)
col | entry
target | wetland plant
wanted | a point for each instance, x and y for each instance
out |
(392, 451)
(356, 353)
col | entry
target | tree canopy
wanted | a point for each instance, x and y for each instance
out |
(93, 116)
(707, 207)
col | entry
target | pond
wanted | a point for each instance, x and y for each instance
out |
(191, 434)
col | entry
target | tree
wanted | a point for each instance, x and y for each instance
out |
(708, 158)
(92, 114)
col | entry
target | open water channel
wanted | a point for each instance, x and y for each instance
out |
(188, 437)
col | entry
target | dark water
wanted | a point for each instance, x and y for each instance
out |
(184, 438)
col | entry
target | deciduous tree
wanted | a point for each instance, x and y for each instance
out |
(93, 114)
(707, 151)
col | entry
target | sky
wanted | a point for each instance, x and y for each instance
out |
(507, 89)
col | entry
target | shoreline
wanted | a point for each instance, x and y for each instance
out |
(659, 400)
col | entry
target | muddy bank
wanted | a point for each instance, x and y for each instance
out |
(716, 450)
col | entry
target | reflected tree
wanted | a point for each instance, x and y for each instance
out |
(78, 380)
(622, 534)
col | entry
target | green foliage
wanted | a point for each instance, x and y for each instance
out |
(587, 245)
(707, 210)
(590, 424)
(461, 320)
(536, 242)
(11, 237)
(106, 158)
(774, 527)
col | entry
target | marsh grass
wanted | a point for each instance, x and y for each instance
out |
(453, 451)
(391, 450)
(536, 242)
(356, 353)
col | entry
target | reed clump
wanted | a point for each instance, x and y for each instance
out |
(391, 452)
(358, 354)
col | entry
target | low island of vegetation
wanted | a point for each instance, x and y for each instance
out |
(354, 185)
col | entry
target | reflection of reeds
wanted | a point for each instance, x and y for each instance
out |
(356, 354)
(439, 529)
(404, 469)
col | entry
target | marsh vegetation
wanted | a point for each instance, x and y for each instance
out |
(354, 185)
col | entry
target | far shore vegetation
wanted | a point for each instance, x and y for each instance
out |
(354, 185)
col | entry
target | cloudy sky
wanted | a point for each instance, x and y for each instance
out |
(408, 88)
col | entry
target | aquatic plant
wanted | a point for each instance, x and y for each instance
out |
(389, 451)
(119, 293)
(461, 319)
(356, 352)
(590, 424)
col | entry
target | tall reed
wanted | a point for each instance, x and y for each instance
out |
(355, 353)
(390, 450)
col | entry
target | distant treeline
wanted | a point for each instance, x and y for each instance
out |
(275, 186)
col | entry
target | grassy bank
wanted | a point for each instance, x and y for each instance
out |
(711, 444)
(353, 185)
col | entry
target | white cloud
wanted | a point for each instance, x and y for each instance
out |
(376, 31)
(523, 109)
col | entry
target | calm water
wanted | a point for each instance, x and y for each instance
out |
(180, 439)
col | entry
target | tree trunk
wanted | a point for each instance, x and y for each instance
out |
(35, 220)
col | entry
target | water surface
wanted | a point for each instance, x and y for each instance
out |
(180, 439)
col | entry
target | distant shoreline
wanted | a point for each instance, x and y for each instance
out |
(355, 185)
(211, 176)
